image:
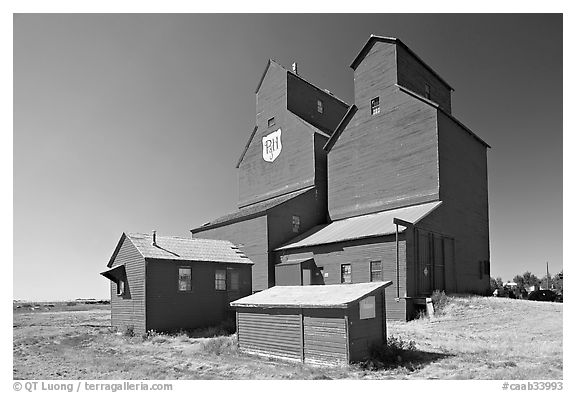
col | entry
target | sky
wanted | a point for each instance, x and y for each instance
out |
(134, 123)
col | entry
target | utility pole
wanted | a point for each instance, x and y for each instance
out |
(547, 277)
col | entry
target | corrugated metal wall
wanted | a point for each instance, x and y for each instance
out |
(270, 332)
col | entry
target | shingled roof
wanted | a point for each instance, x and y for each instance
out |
(183, 249)
(311, 296)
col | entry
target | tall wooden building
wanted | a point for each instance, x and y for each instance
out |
(392, 187)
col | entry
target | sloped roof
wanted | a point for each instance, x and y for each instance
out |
(251, 211)
(369, 225)
(392, 40)
(311, 296)
(184, 249)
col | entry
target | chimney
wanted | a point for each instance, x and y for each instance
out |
(154, 238)
(295, 68)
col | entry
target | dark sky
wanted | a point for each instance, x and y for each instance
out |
(135, 122)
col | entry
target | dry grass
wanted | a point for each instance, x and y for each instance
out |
(485, 338)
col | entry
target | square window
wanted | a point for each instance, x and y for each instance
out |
(120, 287)
(368, 308)
(295, 224)
(375, 106)
(375, 270)
(271, 122)
(220, 280)
(184, 279)
(427, 90)
(320, 106)
(346, 273)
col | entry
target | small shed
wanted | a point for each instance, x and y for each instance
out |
(334, 324)
(169, 283)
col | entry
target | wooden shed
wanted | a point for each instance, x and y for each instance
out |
(168, 283)
(327, 324)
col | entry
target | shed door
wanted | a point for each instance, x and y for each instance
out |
(324, 338)
(270, 332)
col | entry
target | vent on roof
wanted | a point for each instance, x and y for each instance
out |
(328, 91)
(295, 68)
(154, 238)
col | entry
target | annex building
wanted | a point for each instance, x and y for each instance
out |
(389, 187)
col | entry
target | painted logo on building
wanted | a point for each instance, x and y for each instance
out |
(272, 145)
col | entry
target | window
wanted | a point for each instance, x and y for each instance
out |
(375, 270)
(295, 224)
(346, 273)
(234, 280)
(120, 287)
(427, 90)
(271, 122)
(368, 308)
(375, 106)
(220, 280)
(320, 106)
(185, 279)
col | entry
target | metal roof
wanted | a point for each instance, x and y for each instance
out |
(187, 249)
(369, 225)
(311, 296)
(251, 211)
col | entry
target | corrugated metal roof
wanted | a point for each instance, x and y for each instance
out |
(310, 296)
(184, 249)
(375, 224)
(252, 210)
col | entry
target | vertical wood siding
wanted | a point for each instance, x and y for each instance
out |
(386, 160)
(128, 310)
(366, 332)
(251, 237)
(302, 101)
(413, 75)
(171, 310)
(359, 253)
(270, 332)
(464, 210)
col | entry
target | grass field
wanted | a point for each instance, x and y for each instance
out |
(475, 338)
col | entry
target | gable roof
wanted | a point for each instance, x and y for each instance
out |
(311, 296)
(392, 40)
(359, 227)
(251, 211)
(183, 249)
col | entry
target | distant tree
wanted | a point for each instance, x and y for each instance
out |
(496, 283)
(526, 280)
(558, 281)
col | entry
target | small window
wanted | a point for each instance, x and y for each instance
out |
(346, 273)
(120, 287)
(184, 279)
(375, 270)
(368, 308)
(220, 280)
(375, 106)
(295, 224)
(234, 280)
(320, 106)
(271, 122)
(427, 90)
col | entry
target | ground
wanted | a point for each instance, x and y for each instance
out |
(474, 338)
